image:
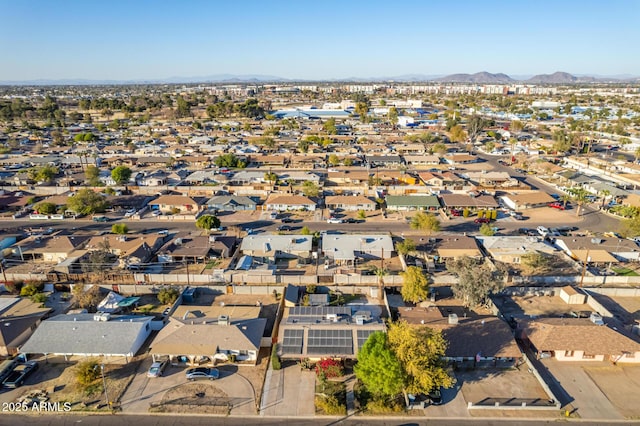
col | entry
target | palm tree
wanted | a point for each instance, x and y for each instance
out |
(604, 193)
(380, 272)
(565, 199)
(579, 195)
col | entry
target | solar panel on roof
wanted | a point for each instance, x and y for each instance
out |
(292, 341)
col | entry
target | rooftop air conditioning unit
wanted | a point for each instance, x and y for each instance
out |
(453, 318)
(223, 320)
(332, 317)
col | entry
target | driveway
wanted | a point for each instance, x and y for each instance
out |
(588, 399)
(144, 391)
(288, 392)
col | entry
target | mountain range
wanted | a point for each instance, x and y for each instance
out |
(477, 78)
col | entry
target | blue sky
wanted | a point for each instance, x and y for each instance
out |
(140, 39)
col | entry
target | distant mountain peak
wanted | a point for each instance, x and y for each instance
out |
(479, 77)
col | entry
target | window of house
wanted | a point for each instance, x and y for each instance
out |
(568, 354)
(588, 356)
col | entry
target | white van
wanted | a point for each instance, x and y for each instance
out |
(542, 231)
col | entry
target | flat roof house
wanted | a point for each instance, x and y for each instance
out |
(113, 338)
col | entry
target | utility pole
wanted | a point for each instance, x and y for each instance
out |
(584, 268)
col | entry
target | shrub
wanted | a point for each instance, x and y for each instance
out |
(87, 372)
(28, 290)
(330, 368)
(39, 298)
(168, 295)
(275, 359)
(330, 405)
(465, 212)
(311, 288)
(380, 406)
(233, 357)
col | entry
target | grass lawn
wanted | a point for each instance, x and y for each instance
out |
(625, 272)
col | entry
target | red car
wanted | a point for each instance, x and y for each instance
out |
(482, 220)
(456, 212)
(556, 205)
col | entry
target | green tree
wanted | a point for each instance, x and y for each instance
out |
(439, 148)
(87, 202)
(303, 145)
(420, 351)
(46, 208)
(362, 214)
(305, 230)
(44, 173)
(121, 174)
(229, 160)
(329, 126)
(168, 295)
(579, 196)
(457, 134)
(119, 228)
(426, 222)
(271, 177)
(487, 230)
(362, 109)
(392, 116)
(378, 368)
(208, 222)
(92, 173)
(310, 189)
(183, 109)
(406, 246)
(348, 162)
(333, 160)
(476, 281)
(414, 285)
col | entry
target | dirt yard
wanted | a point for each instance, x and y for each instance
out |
(620, 384)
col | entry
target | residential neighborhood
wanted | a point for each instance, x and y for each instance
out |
(290, 243)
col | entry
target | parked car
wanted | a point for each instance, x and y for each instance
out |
(334, 220)
(435, 396)
(556, 205)
(287, 220)
(284, 228)
(455, 212)
(353, 220)
(100, 219)
(482, 220)
(19, 374)
(202, 373)
(157, 368)
(543, 231)
(156, 213)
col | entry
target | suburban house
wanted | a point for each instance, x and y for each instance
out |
(510, 249)
(421, 160)
(14, 201)
(347, 177)
(19, 317)
(113, 338)
(273, 247)
(456, 159)
(390, 161)
(317, 332)
(279, 202)
(197, 337)
(492, 179)
(455, 247)
(455, 201)
(49, 248)
(473, 341)
(155, 178)
(527, 200)
(231, 203)
(578, 339)
(599, 250)
(345, 249)
(201, 177)
(179, 203)
(193, 249)
(412, 202)
(130, 249)
(350, 202)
